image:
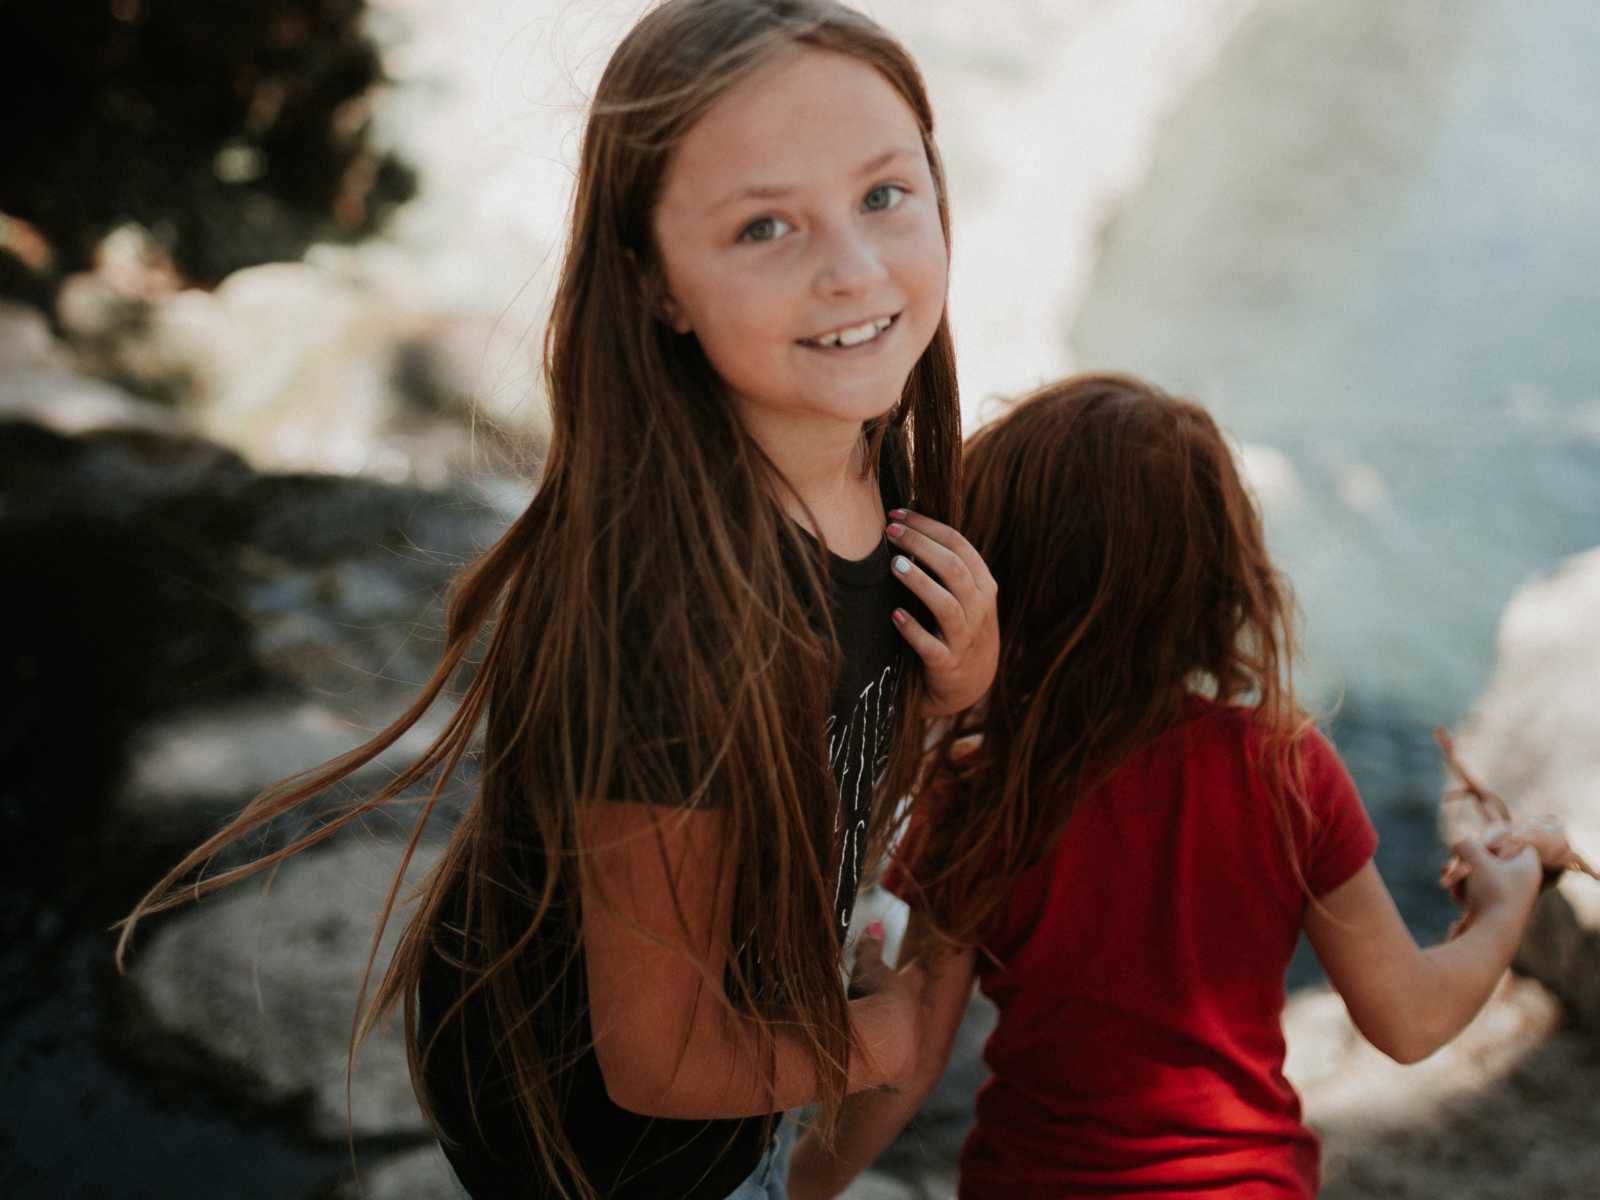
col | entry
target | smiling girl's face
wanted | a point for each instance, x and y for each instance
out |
(798, 230)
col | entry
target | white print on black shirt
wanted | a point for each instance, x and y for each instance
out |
(857, 755)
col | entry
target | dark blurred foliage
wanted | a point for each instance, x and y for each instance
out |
(236, 132)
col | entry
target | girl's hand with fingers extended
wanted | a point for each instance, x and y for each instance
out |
(943, 571)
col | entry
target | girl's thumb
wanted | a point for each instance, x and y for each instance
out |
(1471, 851)
(869, 950)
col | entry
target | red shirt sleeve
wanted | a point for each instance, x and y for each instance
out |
(1343, 838)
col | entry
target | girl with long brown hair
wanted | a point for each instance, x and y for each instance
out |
(1123, 843)
(693, 684)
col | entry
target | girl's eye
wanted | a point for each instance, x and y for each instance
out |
(765, 229)
(883, 197)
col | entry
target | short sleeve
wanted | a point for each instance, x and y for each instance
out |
(1342, 839)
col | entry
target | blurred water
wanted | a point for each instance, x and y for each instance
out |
(1370, 242)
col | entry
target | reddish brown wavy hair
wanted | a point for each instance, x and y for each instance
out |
(1132, 573)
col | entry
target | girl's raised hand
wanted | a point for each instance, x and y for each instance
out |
(1495, 875)
(943, 570)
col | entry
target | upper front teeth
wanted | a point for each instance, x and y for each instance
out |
(856, 334)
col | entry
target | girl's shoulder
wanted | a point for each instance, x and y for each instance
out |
(1240, 729)
(1202, 719)
(1244, 721)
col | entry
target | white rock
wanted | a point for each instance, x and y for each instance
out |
(25, 341)
(1534, 738)
(1351, 1089)
(38, 384)
(72, 404)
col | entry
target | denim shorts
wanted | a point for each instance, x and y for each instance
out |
(770, 1179)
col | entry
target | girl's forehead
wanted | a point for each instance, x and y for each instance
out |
(806, 117)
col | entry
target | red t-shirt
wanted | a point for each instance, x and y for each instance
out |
(1140, 982)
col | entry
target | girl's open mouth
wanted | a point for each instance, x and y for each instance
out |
(849, 336)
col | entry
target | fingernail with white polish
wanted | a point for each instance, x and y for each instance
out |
(901, 564)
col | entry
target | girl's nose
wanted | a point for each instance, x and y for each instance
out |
(850, 264)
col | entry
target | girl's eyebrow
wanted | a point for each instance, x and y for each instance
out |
(777, 191)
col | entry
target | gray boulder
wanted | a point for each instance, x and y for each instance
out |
(420, 1174)
(189, 772)
(253, 991)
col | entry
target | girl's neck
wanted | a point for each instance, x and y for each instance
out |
(831, 491)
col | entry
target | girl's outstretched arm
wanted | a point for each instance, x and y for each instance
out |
(666, 1043)
(870, 1120)
(1406, 1001)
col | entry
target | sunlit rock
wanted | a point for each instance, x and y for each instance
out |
(190, 772)
(1534, 738)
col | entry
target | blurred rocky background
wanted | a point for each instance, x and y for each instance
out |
(272, 279)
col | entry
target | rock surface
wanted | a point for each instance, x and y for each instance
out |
(420, 1174)
(339, 366)
(1506, 1110)
(211, 629)
(188, 773)
(253, 991)
(1534, 737)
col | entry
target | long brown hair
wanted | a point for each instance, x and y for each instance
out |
(641, 638)
(1132, 574)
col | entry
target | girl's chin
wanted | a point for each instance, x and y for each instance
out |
(822, 405)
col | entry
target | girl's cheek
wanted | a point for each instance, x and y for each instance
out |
(924, 230)
(934, 259)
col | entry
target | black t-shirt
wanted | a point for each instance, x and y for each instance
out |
(625, 1155)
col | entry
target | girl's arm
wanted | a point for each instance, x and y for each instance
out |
(870, 1120)
(666, 1044)
(1406, 1001)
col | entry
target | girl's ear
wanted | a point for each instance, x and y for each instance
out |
(653, 286)
(667, 309)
